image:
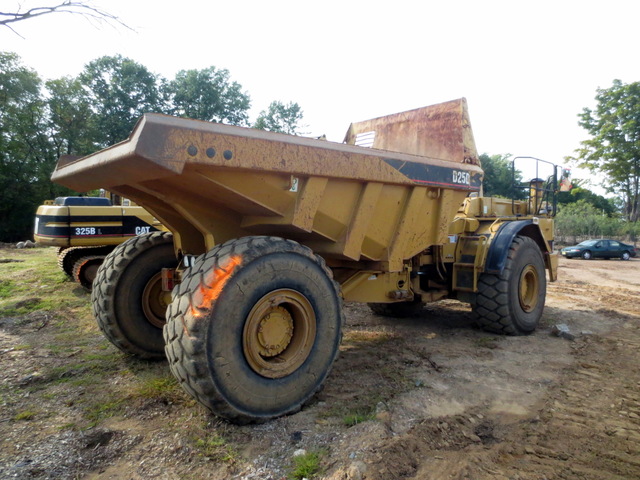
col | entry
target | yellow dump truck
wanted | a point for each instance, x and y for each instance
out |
(270, 233)
(86, 229)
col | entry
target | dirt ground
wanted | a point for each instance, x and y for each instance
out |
(430, 397)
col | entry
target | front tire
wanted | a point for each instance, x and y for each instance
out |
(254, 328)
(586, 255)
(512, 303)
(127, 297)
(625, 256)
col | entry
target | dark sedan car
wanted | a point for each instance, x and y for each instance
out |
(600, 249)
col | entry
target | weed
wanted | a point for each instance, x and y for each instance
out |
(67, 426)
(216, 448)
(547, 321)
(98, 412)
(355, 418)
(25, 415)
(306, 465)
(7, 288)
(163, 387)
(486, 342)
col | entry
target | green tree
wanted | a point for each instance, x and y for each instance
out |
(208, 94)
(26, 155)
(601, 204)
(120, 92)
(582, 218)
(614, 146)
(280, 118)
(499, 177)
(71, 120)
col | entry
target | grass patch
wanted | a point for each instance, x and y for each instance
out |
(25, 415)
(36, 283)
(7, 288)
(154, 386)
(216, 448)
(547, 321)
(88, 369)
(486, 342)
(100, 411)
(360, 409)
(354, 418)
(306, 465)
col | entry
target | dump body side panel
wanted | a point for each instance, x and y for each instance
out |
(209, 183)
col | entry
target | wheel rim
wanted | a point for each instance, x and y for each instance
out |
(528, 289)
(279, 333)
(625, 256)
(586, 255)
(90, 272)
(155, 301)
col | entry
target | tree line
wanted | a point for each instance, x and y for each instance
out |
(42, 120)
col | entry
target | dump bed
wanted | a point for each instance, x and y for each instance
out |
(356, 206)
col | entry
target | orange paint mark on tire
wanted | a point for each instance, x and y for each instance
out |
(211, 288)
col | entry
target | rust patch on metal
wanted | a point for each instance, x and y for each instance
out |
(440, 131)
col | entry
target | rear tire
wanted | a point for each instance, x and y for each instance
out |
(254, 328)
(512, 303)
(128, 301)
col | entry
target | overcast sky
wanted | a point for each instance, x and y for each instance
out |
(526, 68)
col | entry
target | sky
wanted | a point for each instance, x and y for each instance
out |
(527, 69)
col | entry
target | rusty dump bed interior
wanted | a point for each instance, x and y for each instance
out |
(355, 205)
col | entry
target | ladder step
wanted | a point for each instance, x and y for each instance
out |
(465, 265)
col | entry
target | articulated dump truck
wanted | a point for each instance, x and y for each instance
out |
(270, 233)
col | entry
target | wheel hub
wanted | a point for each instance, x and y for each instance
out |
(279, 333)
(529, 288)
(90, 272)
(275, 332)
(155, 301)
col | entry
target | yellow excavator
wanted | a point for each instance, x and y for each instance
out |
(87, 229)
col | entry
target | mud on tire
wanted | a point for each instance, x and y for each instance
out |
(215, 342)
(127, 300)
(512, 303)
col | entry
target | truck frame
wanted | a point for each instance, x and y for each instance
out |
(270, 233)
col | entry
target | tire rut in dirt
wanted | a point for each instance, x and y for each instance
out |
(590, 427)
(119, 289)
(211, 349)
